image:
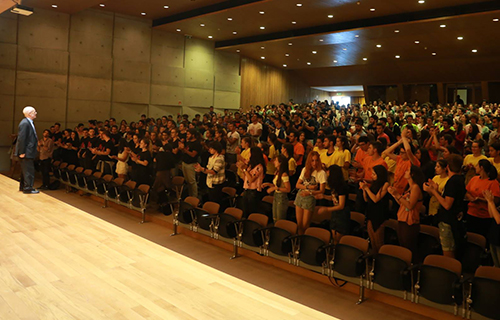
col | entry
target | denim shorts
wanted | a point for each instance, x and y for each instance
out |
(446, 237)
(306, 203)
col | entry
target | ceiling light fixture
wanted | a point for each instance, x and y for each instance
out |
(365, 59)
(474, 50)
(434, 53)
(54, 6)
(261, 12)
(289, 43)
(285, 65)
(356, 36)
(210, 37)
(417, 42)
(165, 7)
(344, 49)
(397, 31)
(262, 28)
(287, 54)
(102, 5)
(372, 9)
(334, 61)
(308, 63)
(442, 26)
(143, 13)
(234, 32)
(262, 48)
(202, 24)
(294, 22)
(178, 30)
(460, 38)
(299, 4)
(421, 1)
(330, 16)
(238, 50)
(314, 52)
(262, 58)
(229, 19)
(379, 46)
(320, 40)
(397, 57)
(495, 20)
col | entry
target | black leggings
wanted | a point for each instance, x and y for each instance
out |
(408, 237)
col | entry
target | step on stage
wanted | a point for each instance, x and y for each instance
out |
(59, 262)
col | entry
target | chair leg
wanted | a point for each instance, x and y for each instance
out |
(143, 211)
(235, 250)
(361, 290)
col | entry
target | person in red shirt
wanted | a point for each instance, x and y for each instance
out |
(382, 134)
(298, 148)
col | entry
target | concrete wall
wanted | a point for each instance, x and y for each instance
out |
(96, 65)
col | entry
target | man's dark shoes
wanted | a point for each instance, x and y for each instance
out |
(43, 187)
(31, 191)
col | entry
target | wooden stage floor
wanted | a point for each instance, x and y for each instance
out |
(59, 262)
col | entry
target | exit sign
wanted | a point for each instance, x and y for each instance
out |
(339, 93)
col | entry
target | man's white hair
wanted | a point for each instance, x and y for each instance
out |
(27, 110)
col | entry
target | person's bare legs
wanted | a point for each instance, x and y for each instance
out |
(306, 219)
(299, 214)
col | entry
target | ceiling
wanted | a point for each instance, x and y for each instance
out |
(341, 88)
(306, 34)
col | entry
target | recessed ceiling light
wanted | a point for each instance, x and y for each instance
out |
(262, 28)
(474, 50)
(261, 12)
(397, 57)
(308, 63)
(210, 37)
(364, 59)
(294, 22)
(434, 53)
(54, 6)
(178, 30)
(234, 32)
(495, 20)
(442, 26)
(289, 43)
(379, 46)
(299, 4)
(202, 24)
(330, 16)
(460, 38)
(320, 40)
(165, 7)
(344, 49)
(287, 54)
(102, 5)
(262, 58)
(356, 36)
(372, 9)
(285, 65)
(314, 52)
(262, 48)
(230, 19)
(421, 1)
(334, 61)
(417, 42)
(397, 31)
(238, 50)
(143, 13)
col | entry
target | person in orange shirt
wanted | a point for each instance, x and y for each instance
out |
(478, 219)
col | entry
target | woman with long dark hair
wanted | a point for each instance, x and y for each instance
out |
(409, 211)
(311, 183)
(281, 187)
(377, 205)
(141, 172)
(426, 163)
(253, 176)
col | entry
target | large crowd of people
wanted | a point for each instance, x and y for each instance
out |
(432, 164)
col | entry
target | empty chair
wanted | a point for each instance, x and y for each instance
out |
(350, 260)
(250, 232)
(127, 192)
(73, 175)
(484, 293)
(228, 198)
(278, 238)
(224, 225)
(60, 170)
(186, 213)
(390, 232)
(428, 242)
(177, 188)
(65, 172)
(82, 178)
(140, 199)
(101, 184)
(313, 247)
(113, 188)
(91, 181)
(439, 281)
(266, 206)
(205, 217)
(390, 269)
(474, 250)
(358, 225)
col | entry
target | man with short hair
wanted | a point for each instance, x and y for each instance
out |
(26, 150)
(298, 148)
(233, 141)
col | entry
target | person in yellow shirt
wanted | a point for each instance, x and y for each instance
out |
(319, 147)
(244, 156)
(287, 151)
(342, 156)
(326, 157)
(471, 160)
(440, 179)
(495, 156)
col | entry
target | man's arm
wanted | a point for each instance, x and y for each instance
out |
(22, 139)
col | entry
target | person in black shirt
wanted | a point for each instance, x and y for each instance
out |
(451, 230)
(165, 162)
(190, 151)
(82, 149)
(103, 151)
(141, 172)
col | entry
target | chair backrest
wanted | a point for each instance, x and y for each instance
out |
(235, 212)
(488, 273)
(71, 167)
(87, 172)
(192, 201)
(63, 165)
(320, 233)
(211, 207)
(268, 199)
(392, 223)
(430, 230)
(259, 218)
(477, 239)
(144, 188)
(56, 163)
(97, 174)
(357, 242)
(79, 169)
(287, 225)
(229, 191)
(177, 181)
(397, 251)
(358, 217)
(447, 263)
(131, 184)
(108, 178)
(119, 181)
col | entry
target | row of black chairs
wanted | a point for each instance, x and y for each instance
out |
(117, 190)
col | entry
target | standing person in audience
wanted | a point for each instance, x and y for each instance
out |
(253, 177)
(165, 161)
(244, 155)
(450, 212)
(340, 212)
(190, 152)
(273, 154)
(298, 148)
(494, 231)
(342, 155)
(478, 220)
(471, 160)
(409, 210)
(71, 147)
(215, 171)
(494, 153)
(281, 187)
(440, 180)
(45, 150)
(141, 172)
(311, 183)
(255, 128)
(326, 157)
(377, 204)
(287, 151)
(26, 150)
(122, 158)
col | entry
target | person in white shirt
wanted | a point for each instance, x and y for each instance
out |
(255, 128)
(233, 141)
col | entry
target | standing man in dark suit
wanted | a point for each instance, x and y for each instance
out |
(27, 142)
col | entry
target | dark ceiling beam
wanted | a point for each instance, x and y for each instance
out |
(367, 23)
(214, 8)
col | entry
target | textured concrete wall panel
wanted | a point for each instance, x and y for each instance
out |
(92, 44)
(198, 97)
(42, 60)
(131, 71)
(91, 33)
(83, 88)
(130, 92)
(7, 81)
(132, 39)
(167, 95)
(41, 85)
(84, 110)
(8, 28)
(199, 79)
(227, 100)
(127, 111)
(48, 109)
(90, 66)
(160, 111)
(227, 82)
(167, 39)
(6, 107)
(226, 62)
(164, 75)
(199, 55)
(45, 29)
(8, 53)
(172, 57)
